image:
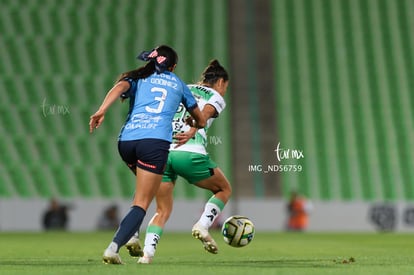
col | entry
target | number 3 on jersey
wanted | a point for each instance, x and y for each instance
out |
(161, 99)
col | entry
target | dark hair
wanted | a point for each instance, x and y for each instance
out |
(169, 53)
(149, 68)
(213, 72)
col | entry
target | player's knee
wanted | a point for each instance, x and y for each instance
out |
(228, 192)
(226, 188)
(225, 191)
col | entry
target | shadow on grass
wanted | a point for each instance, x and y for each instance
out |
(270, 263)
(48, 262)
(265, 263)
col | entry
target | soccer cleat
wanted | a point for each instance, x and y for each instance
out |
(110, 257)
(145, 259)
(134, 247)
(202, 234)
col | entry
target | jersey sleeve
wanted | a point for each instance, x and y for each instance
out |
(217, 101)
(131, 90)
(188, 100)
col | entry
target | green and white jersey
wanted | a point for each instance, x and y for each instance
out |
(204, 95)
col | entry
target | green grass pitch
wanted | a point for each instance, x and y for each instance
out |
(179, 253)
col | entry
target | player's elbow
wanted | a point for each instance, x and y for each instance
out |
(199, 118)
(201, 123)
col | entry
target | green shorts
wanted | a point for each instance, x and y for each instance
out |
(193, 167)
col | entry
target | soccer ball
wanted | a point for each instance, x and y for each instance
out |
(238, 231)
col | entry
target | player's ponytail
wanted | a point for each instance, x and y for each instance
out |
(213, 72)
(159, 60)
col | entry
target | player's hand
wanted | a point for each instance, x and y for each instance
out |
(190, 121)
(182, 138)
(96, 120)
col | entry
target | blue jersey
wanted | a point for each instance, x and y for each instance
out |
(153, 103)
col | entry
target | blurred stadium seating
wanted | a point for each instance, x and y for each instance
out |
(343, 77)
(344, 96)
(58, 60)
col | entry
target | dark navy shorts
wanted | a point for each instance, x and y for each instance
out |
(148, 154)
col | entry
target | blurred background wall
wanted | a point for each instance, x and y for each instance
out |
(320, 100)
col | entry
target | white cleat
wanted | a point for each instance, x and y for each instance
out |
(110, 257)
(134, 247)
(202, 234)
(145, 259)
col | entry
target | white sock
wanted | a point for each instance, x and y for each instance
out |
(113, 247)
(151, 242)
(211, 212)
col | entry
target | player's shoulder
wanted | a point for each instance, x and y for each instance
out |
(203, 91)
(173, 77)
(200, 88)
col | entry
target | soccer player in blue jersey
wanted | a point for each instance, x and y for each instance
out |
(188, 158)
(155, 93)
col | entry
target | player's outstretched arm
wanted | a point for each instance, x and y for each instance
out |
(113, 94)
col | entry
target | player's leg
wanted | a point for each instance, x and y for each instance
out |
(148, 178)
(220, 186)
(164, 199)
(133, 245)
(147, 184)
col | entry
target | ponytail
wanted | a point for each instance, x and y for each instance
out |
(159, 60)
(213, 72)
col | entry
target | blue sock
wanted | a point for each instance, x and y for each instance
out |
(129, 225)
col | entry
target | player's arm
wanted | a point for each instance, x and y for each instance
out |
(197, 119)
(181, 138)
(113, 94)
(209, 111)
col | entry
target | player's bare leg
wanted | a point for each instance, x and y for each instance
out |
(147, 184)
(155, 227)
(221, 188)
